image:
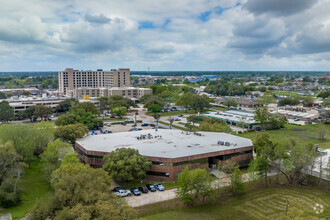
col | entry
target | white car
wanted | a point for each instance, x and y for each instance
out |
(123, 193)
(321, 150)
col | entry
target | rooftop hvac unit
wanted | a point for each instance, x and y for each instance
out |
(221, 142)
(227, 144)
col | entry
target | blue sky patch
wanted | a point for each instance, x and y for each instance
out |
(205, 16)
(146, 25)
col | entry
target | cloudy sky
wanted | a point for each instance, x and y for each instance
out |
(165, 34)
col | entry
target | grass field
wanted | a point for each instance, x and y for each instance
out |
(267, 203)
(33, 186)
(301, 134)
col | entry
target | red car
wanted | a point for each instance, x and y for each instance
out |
(112, 116)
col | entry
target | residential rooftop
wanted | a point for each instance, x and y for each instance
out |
(165, 143)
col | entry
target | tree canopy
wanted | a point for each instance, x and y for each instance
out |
(70, 133)
(126, 164)
(6, 111)
(194, 185)
(81, 192)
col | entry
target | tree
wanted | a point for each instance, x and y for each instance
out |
(230, 102)
(154, 105)
(70, 133)
(214, 125)
(11, 170)
(200, 102)
(26, 93)
(87, 106)
(262, 116)
(22, 138)
(81, 192)
(186, 100)
(119, 111)
(308, 101)
(104, 104)
(79, 116)
(195, 185)
(266, 99)
(43, 134)
(324, 94)
(237, 184)
(227, 166)
(42, 111)
(6, 111)
(29, 112)
(2, 95)
(126, 164)
(288, 101)
(53, 155)
(157, 117)
(194, 119)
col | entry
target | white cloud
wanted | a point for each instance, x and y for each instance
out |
(235, 35)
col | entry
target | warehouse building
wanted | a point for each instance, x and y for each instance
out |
(169, 150)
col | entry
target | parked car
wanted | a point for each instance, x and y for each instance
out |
(180, 115)
(159, 187)
(123, 192)
(151, 187)
(143, 189)
(132, 129)
(112, 116)
(321, 150)
(135, 192)
(296, 119)
(138, 129)
(108, 124)
(134, 125)
(144, 124)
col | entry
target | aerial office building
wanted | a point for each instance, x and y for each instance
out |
(169, 150)
(70, 79)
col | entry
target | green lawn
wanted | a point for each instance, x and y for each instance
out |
(301, 134)
(33, 186)
(267, 203)
(175, 113)
(219, 108)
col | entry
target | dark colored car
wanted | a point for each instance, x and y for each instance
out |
(134, 125)
(135, 191)
(151, 187)
(144, 124)
(143, 189)
(116, 189)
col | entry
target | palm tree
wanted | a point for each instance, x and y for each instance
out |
(157, 117)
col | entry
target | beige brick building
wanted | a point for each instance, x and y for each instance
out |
(70, 79)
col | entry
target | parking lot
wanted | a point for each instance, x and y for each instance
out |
(150, 197)
(122, 128)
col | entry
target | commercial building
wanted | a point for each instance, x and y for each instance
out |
(128, 92)
(79, 84)
(70, 79)
(169, 150)
(236, 118)
(22, 104)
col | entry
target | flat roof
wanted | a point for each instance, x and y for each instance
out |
(166, 143)
(231, 117)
